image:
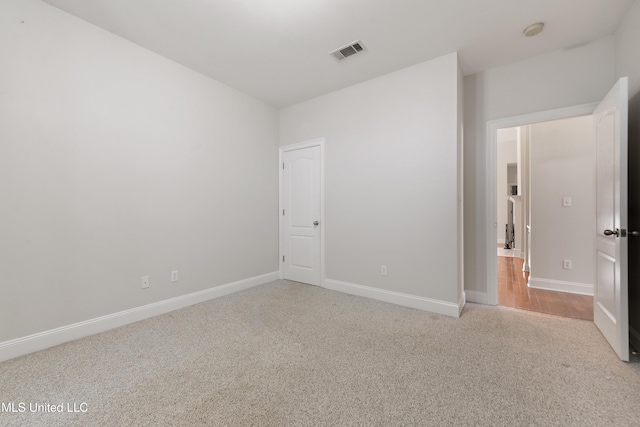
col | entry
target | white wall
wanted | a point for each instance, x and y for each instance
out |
(391, 178)
(558, 79)
(562, 165)
(627, 38)
(506, 153)
(117, 163)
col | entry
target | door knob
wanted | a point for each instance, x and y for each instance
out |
(315, 223)
(612, 233)
(634, 233)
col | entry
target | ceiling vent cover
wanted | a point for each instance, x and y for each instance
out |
(348, 50)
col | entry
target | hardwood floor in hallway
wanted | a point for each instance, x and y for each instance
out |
(514, 292)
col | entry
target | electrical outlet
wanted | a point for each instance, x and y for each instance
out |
(145, 282)
(174, 276)
(566, 264)
(383, 270)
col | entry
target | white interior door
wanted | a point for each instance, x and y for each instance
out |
(611, 309)
(301, 215)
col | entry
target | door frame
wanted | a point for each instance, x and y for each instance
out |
(491, 208)
(318, 142)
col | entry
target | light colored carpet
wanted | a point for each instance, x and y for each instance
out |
(292, 354)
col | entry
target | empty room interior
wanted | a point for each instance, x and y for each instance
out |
(286, 212)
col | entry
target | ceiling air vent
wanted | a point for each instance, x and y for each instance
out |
(348, 50)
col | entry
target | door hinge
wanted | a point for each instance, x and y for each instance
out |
(283, 166)
(282, 211)
(282, 258)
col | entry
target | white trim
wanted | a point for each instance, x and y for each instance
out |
(406, 300)
(560, 286)
(40, 341)
(461, 302)
(491, 143)
(318, 142)
(476, 297)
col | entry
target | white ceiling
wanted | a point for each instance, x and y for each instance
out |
(278, 50)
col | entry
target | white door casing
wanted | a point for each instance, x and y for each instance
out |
(610, 300)
(302, 222)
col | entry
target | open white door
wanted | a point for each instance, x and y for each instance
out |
(610, 298)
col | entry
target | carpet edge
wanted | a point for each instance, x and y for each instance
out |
(42, 340)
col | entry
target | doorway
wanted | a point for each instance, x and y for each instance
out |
(516, 266)
(611, 162)
(545, 202)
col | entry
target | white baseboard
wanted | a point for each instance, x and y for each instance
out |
(501, 241)
(477, 297)
(561, 286)
(406, 300)
(40, 341)
(461, 302)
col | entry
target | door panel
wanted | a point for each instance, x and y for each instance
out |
(610, 302)
(302, 191)
(301, 197)
(302, 252)
(606, 297)
(605, 169)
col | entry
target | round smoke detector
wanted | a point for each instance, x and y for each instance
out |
(534, 29)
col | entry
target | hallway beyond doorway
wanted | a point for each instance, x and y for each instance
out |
(514, 292)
